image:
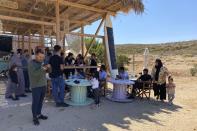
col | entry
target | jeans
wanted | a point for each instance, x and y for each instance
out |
(96, 93)
(38, 95)
(58, 89)
(26, 77)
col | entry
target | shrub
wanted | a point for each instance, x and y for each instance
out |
(193, 70)
(122, 60)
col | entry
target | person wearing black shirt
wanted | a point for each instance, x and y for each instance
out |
(139, 83)
(80, 62)
(69, 61)
(14, 82)
(57, 67)
(93, 62)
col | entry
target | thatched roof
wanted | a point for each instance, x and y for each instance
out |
(79, 12)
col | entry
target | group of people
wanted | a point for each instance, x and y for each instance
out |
(27, 72)
(18, 82)
(158, 77)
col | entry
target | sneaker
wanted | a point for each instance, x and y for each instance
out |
(36, 121)
(42, 117)
(131, 97)
(58, 104)
(64, 105)
(15, 98)
(23, 95)
(98, 105)
(28, 91)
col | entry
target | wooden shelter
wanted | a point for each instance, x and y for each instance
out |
(59, 17)
(55, 18)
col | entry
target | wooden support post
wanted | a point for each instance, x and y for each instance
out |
(82, 41)
(64, 48)
(57, 10)
(106, 61)
(23, 42)
(18, 46)
(66, 30)
(51, 42)
(42, 36)
(133, 64)
(29, 45)
(97, 31)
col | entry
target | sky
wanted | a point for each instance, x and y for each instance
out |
(163, 21)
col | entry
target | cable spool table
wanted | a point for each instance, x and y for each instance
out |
(119, 93)
(78, 92)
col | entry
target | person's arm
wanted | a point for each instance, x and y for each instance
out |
(34, 70)
(140, 78)
(61, 64)
(153, 74)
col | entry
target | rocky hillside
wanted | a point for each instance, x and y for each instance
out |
(176, 48)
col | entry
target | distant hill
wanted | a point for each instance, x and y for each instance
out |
(174, 48)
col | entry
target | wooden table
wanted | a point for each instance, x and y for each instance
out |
(80, 67)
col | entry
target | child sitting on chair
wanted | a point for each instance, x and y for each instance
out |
(170, 90)
(95, 87)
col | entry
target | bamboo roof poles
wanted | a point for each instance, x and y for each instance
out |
(34, 13)
(54, 19)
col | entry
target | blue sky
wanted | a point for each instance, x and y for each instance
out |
(162, 21)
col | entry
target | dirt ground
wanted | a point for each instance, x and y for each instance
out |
(138, 115)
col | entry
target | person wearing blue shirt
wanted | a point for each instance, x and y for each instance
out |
(123, 74)
(102, 73)
(102, 78)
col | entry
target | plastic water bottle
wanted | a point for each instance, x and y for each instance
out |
(70, 76)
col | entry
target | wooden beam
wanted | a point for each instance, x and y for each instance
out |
(57, 12)
(33, 6)
(97, 31)
(86, 35)
(18, 42)
(93, 17)
(23, 42)
(85, 7)
(23, 20)
(82, 41)
(17, 12)
(42, 35)
(29, 45)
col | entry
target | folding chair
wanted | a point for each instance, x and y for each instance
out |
(145, 91)
(103, 87)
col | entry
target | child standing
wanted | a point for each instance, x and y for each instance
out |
(95, 88)
(14, 82)
(170, 90)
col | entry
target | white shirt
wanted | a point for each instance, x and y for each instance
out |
(95, 83)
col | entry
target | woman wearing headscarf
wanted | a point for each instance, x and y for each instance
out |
(159, 75)
(16, 59)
